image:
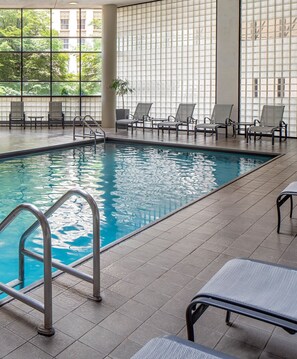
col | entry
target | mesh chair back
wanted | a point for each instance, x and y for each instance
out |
(271, 115)
(17, 110)
(55, 110)
(184, 111)
(220, 113)
(142, 110)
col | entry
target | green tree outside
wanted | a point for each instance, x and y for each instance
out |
(36, 62)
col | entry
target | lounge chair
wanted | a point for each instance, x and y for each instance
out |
(171, 347)
(255, 289)
(140, 115)
(55, 114)
(220, 118)
(287, 193)
(270, 122)
(183, 117)
(17, 115)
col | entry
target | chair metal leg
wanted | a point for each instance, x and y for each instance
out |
(281, 199)
(192, 315)
(278, 219)
(234, 131)
(228, 317)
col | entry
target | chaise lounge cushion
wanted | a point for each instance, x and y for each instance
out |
(171, 347)
(256, 285)
(291, 189)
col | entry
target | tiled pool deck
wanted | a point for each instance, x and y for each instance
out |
(148, 280)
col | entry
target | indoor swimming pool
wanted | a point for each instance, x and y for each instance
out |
(133, 185)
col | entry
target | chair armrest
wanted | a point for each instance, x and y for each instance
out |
(171, 117)
(191, 119)
(147, 118)
(256, 121)
(229, 122)
(207, 118)
(282, 123)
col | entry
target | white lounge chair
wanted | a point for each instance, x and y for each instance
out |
(140, 115)
(55, 114)
(220, 118)
(271, 121)
(17, 115)
(183, 117)
(255, 289)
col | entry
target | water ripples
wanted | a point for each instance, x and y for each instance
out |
(133, 185)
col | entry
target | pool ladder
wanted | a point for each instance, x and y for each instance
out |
(46, 307)
(94, 131)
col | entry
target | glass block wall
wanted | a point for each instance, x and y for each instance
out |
(51, 55)
(269, 58)
(167, 50)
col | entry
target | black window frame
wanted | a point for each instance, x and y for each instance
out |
(51, 82)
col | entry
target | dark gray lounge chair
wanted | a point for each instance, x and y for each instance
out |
(287, 193)
(171, 347)
(271, 121)
(17, 115)
(183, 117)
(140, 115)
(55, 114)
(220, 118)
(256, 289)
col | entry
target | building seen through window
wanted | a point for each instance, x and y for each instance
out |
(43, 53)
(269, 59)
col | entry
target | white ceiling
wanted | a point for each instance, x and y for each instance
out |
(58, 4)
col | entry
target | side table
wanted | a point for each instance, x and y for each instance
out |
(35, 118)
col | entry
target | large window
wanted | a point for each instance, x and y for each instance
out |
(42, 53)
(269, 58)
(167, 50)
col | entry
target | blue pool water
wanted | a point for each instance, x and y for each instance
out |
(133, 185)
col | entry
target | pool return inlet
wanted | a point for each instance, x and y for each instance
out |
(46, 307)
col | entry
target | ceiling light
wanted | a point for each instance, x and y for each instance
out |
(73, 3)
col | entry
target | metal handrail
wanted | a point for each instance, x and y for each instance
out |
(99, 129)
(73, 126)
(85, 124)
(46, 307)
(95, 279)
